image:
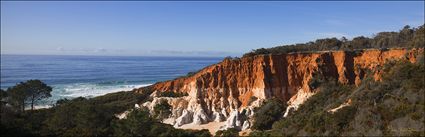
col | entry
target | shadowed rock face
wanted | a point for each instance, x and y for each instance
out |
(218, 90)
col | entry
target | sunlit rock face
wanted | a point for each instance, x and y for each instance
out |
(185, 110)
(221, 92)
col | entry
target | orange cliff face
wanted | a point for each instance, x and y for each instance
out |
(218, 90)
(281, 76)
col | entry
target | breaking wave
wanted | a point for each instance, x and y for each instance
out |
(87, 90)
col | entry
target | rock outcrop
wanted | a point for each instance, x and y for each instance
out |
(224, 91)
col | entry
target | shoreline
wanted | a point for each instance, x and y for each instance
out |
(57, 96)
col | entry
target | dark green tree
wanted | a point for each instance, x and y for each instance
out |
(18, 94)
(2, 93)
(162, 110)
(137, 123)
(93, 120)
(3, 96)
(62, 120)
(30, 91)
(62, 101)
(231, 132)
(37, 91)
(267, 114)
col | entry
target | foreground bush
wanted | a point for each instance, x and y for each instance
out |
(89, 117)
(271, 111)
(231, 132)
(140, 123)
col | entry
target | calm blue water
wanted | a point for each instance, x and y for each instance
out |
(87, 76)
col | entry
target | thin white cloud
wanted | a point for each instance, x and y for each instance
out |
(104, 51)
(96, 50)
(100, 50)
(60, 49)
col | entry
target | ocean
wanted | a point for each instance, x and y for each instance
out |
(90, 76)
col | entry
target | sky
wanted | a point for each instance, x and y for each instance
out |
(137, 28)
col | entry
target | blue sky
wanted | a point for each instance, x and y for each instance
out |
(190, 28)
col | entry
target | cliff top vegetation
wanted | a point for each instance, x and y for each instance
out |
(407, 37)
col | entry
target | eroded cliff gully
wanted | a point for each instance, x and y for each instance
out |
(225, 91)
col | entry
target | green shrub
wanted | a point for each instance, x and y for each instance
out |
(173, 94)
(162, 110)
(343, 117)
(257, 133)
(189, 74)
(231, 132)
(271, 111)
(416, 115)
